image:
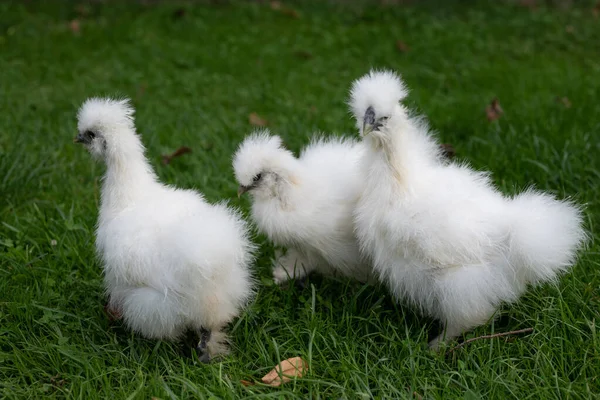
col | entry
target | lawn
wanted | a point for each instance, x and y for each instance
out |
(195, 72)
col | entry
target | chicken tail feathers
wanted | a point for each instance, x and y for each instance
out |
(545, 236)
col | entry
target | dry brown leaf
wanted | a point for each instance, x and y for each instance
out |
(256, 120)
(75, 26)
(247, 383)
(179, 13)
(290, 12)
(83, 10)
(294, 367)
(494, 111)
(166, 159)
(401, 46)
(305, 54)
(528, 3)
(596, 10)
(564, 101)
(57, 381)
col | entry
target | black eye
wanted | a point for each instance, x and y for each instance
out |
(257, 178)
(90, 134)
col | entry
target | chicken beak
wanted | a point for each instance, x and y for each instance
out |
(79, 139)
(242, 189)
(368, 121)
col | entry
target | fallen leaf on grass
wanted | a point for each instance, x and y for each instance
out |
(83, 10)
(246, 383)
(166, 159)
(596, 10)
(305, 54)
(256, 120)
(290, 12)
(494, 111)
(528, 3)
(401, 46)
(564, 101)
(57, 381)
(294, 367)
(179, 13)
(75, 26)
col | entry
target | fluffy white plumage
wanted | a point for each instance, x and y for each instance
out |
(305, 204)
(172, 261)
(440, 234)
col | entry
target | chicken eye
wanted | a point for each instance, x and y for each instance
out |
(90, 134)
(257, 178)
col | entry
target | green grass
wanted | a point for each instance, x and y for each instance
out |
(194, 80)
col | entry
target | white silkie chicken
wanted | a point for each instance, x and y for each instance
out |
(172, 262)
(440, 235)
(305, 204)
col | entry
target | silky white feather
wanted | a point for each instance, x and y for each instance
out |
(305, 204)
(440, 235)
(172, 261)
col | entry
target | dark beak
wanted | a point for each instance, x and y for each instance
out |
(79, 139)
(242, 189)
(368, 121)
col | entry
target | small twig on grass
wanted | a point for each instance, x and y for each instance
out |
(166, 159)
(495, 335)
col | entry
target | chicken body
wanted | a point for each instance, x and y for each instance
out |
(172, 262)
(305, 204)
(440, 235)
